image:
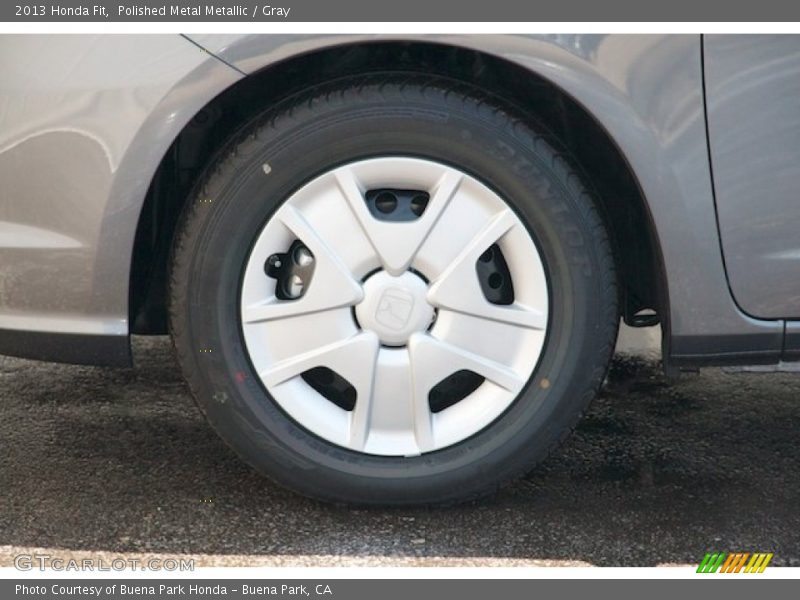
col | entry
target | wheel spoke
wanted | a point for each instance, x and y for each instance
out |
(458, 289)
(397, 243)
(353, 359)
(393, 417)
(433, 360)
(332, 285)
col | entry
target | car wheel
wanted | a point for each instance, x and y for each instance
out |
(392, 291)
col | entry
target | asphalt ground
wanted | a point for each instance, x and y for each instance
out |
(119, 462)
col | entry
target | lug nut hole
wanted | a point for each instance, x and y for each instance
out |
(386, 202)
(418, 204)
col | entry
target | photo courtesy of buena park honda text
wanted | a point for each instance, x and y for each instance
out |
(352, 299)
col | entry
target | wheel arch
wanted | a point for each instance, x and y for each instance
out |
(534, 88)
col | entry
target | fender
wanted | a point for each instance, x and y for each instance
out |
(86, 122)
(645, 90)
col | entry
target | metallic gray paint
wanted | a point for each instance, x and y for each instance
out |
(85, 121)
(753, 96)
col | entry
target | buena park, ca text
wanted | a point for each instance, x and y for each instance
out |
(181, 590)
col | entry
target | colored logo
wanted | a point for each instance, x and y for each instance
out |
(735, 562)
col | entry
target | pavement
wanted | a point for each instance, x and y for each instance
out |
(119, 462)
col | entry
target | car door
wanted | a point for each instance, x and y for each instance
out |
(753, 111)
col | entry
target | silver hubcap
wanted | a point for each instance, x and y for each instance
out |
(359, 348)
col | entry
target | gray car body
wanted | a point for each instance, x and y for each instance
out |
(86, 120)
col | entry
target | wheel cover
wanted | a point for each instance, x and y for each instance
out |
(396, 309)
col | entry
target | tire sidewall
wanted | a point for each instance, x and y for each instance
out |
(299, 145)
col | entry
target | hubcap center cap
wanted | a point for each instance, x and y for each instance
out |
(394, 307)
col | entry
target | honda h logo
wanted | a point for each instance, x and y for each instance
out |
(394, 308)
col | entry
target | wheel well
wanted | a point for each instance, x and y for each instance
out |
(619, 197)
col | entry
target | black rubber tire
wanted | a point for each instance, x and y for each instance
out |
(310, 133)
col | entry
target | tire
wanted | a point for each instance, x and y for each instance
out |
(416, 118)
